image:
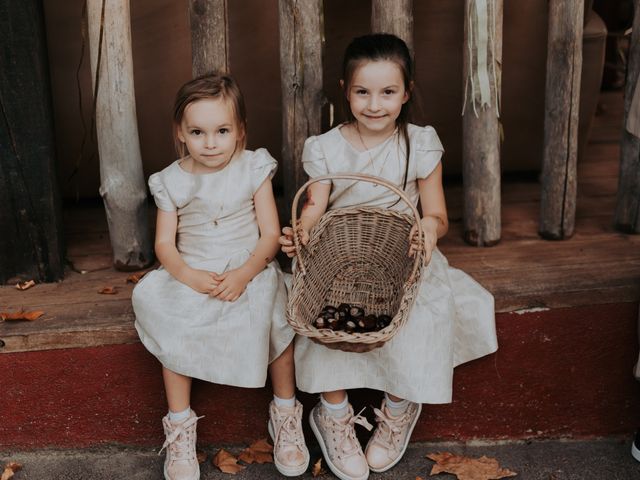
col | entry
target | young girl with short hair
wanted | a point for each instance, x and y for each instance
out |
(452, 319)
(215, 308)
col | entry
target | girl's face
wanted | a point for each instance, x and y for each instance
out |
(210, 132)
(376, 95)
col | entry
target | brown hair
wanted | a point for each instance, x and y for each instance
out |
(376, 47)
(210, 85)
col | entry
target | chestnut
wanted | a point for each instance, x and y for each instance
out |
(336, 324)
(330, 309)
(356, 312)
(341, 315)
(383, 321)
(367, 323)
(350, 326)
(320, 322)
(344, 307)
(327, 315)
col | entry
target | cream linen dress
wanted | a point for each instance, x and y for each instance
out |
(452, 320)
(193, 334)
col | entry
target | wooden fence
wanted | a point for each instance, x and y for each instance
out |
(301, 33)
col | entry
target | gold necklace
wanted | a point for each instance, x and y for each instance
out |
(384, 162)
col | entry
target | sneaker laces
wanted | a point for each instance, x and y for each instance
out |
(179, 440)
(389, 428)
(348, 443)
(287, 430)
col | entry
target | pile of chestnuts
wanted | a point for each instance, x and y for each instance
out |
(350, 319)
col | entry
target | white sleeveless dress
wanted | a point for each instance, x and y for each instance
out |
(193, 334)
(452, 320)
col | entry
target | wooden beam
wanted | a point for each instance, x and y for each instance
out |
(393, 16)
(562, 100)
(301, 45)
(31, 243)
(627, 216)
(482, 71)
(122, 181)
(209, 36)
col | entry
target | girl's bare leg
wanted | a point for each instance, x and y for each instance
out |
(178, 390)
(282, 372)
(337, 396)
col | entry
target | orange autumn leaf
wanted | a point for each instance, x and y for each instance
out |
(135, 277)
(9, 469)
(226, 462)
(21, 315)
(25, 285)
(259, 452)
(317, 469)
(108, 290)
(465, 468)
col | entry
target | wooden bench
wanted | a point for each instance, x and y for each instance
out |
(566, 317)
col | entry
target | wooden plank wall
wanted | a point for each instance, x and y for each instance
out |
(301, 47)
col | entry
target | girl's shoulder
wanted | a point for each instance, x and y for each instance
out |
(258, 165)
(257, 157)
(424, 138)
(165, 175)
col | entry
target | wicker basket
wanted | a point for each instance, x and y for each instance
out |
(357, 256)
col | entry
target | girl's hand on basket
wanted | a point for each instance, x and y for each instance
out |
(286, 240)
(202, 281)
(231, 285)
(430, 230)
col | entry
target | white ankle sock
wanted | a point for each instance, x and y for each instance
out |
(284, 402)
(396, 408)
(337, 410)
(177, 417)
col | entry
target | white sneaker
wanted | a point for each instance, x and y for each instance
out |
(338, 442)
(390, 439)
(290, 453)
(181, 462)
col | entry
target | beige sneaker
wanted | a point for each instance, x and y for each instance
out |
(290, 452)
(390, 439)
(338, 442)
(181, 462)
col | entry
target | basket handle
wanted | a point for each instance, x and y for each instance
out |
(364, 178)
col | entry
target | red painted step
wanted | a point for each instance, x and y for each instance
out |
(558, 373)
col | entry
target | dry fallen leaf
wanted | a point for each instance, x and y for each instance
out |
(9, 469)
(135, 277)
(108, 290)
(259, 452)
(25, 285)
(317, 469)
(21, 315)
(226, 462)
(201, 455)
(465, 468)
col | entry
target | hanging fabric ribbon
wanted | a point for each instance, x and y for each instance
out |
(481, 83)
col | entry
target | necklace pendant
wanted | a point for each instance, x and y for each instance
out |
(215, 223)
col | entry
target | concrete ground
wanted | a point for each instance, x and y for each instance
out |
(607, 459)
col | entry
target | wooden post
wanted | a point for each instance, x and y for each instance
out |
(482, 73)
(393, 16)
(627, 217)
(209, 36)
(301, 45)
(562, 100)
(122, 181)
(31, 243)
